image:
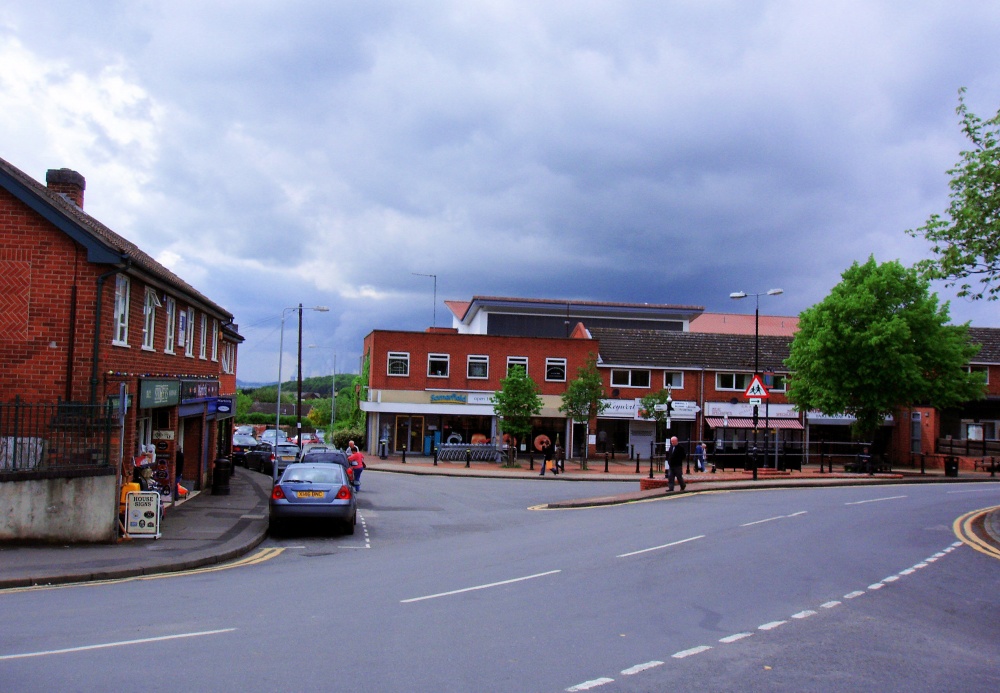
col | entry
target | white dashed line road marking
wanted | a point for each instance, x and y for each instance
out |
(120, 643)
(908, 571)
(639, 668)
(918, 566)
(891, 578)
(804, 614)
(662, 546)
(852, 595)
(478, 587)
(770, 519)
(693, 651)
(733, 638)
(875, 500)
(772, 625)
(829, 605)
(587, 685)
(876, 586)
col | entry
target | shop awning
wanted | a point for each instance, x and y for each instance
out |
(747, 422)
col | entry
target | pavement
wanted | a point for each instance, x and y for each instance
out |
(209, 529)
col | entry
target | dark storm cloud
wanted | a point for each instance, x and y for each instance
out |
(323, 153)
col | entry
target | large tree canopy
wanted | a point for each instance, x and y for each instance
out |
(515, 403)
(880, 341)
(966, 241)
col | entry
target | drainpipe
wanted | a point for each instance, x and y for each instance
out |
(97, 332)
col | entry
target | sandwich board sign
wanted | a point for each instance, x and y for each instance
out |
(756, 388)
(142, 514)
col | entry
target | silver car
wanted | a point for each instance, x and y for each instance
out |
(314, 492)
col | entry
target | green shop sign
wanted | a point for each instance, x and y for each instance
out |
(158, 393)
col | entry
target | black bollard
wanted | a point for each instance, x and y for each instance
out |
(650, 466)
(468, 457)
(435, 456)
(404, 455)
(637, 456)
(531, 460)
(605, 463)
(923, 469)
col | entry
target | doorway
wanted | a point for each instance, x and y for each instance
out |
(409, 433)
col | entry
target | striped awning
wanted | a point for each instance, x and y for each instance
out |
(747, 422)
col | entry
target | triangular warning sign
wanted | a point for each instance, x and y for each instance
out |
(756, 388)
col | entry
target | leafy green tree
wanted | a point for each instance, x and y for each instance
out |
(320, 412)
(243, 404)
(966, 240)
(878, 342)
(515, 403)
(583, 399)
(356, 417)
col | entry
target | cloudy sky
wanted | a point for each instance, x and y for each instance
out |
(330, 152)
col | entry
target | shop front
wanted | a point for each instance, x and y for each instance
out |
(621, 429)
(732, 427)
(418, 422)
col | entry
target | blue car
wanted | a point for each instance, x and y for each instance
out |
(315, 492)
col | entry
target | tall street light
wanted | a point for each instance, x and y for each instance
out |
(281, 349)
(333, 388)
(756, 356)
(434, 307)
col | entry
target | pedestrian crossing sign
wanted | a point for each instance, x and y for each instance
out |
(756, 388)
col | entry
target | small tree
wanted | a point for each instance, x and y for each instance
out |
(967, 240)
(878, 342)
(583, 399)
(515, 403)
(356, 418)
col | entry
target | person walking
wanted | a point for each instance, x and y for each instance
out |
(699, 456)
(547, 458)
(675, 464)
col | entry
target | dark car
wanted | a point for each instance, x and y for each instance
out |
(284, 455)
(314, 492)
(241, 445)
(259, 458)
(326, 457)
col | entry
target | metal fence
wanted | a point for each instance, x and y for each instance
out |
(60, 436)
(483, 452)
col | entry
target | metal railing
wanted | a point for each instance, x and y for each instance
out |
(60, 436)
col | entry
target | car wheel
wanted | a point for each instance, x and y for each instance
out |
(349, 524)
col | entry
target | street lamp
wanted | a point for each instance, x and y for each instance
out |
(281, 349)
(756, 358)
(333, 387)
(434, 307)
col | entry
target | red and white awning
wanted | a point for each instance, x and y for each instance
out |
(747, 422)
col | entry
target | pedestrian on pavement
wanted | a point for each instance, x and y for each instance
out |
(699, 456)
(351, 448)
(547, 458)
(675, 464)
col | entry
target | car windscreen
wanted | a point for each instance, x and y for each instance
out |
(244, 440)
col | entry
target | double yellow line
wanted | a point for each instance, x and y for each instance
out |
(964, 531)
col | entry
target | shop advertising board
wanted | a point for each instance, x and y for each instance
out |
(142, 514)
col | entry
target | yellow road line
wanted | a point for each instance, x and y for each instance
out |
(259, 557)
(963, 530)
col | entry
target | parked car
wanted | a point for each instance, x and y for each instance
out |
(284, 455)
(244, 430)
(242, 444)
(259, 458)
(315, 456)
(314, 492)
(268, 436)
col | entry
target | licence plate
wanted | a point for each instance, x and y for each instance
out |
(310, 494)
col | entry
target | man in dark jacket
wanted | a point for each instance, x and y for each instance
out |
(675, 463)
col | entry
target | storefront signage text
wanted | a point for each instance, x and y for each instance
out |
(158, 393)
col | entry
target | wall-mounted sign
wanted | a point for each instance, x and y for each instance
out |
(199, 389)
(449, 398)
(158, 393)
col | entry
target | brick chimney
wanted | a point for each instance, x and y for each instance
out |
(64, 180)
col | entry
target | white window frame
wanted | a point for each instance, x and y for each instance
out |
(478, 360)
(617, 381)
(445, 358)
(122, 290)
(517, 361)
(741, 381)
(215, 340)
(149, 306)
(203, 337)
(553, 362)
(399, 357)
(227, 357)
(669, 378)
(189, 336)
(979, 369)
(171, 309)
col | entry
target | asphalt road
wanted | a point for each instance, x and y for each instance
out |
(457, 585)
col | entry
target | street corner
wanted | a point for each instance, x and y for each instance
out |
(980, 529)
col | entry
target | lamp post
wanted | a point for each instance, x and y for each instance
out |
(434, 307)
(756, 357)
(333, 388)
(281, 349)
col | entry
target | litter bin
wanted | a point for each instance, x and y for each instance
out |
(220, 476)
(951, 466)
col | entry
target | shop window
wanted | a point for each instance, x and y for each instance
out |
(122, 286)
(438, 365)
(621, 377)
(555, 370)
(673, 379)
(521, 361)
(479, 367)
(398, 363)
(203, 337)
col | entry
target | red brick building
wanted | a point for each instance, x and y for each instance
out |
(88, 316)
